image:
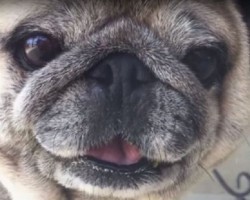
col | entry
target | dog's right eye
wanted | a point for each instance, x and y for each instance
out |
(36, 51)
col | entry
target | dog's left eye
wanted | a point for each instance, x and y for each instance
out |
(35, 51)
(204, 62)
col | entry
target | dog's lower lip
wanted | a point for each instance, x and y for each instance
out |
(141, 164)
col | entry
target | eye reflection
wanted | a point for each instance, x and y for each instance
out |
(38, 50)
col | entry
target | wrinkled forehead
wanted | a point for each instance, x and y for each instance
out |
(180, 22)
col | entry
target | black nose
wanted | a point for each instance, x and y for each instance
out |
(121, 71)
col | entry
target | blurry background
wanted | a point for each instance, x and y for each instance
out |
(235, 175)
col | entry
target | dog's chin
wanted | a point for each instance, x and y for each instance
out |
(101, 179)
(103, 172)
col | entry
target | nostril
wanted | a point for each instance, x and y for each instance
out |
(144, 75)
(102, 74)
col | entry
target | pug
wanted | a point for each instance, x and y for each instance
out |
(118, 99)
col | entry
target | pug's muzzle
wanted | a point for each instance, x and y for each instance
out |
(116, 113)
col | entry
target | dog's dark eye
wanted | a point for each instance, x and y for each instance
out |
(204, 62)
(35, 51)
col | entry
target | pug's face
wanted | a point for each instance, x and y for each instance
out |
(122, 99)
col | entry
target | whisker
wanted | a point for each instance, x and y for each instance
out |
(246, 138)
(209, 174)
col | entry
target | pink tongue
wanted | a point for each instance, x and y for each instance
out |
(117, 152)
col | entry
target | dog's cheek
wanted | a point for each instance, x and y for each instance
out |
(4, 76)
(28, 184)
(6, 98)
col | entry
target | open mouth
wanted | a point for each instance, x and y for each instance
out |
(114, 167)
(120, 156)
(118, 152)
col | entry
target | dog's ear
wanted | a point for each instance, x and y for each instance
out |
(244, 6)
